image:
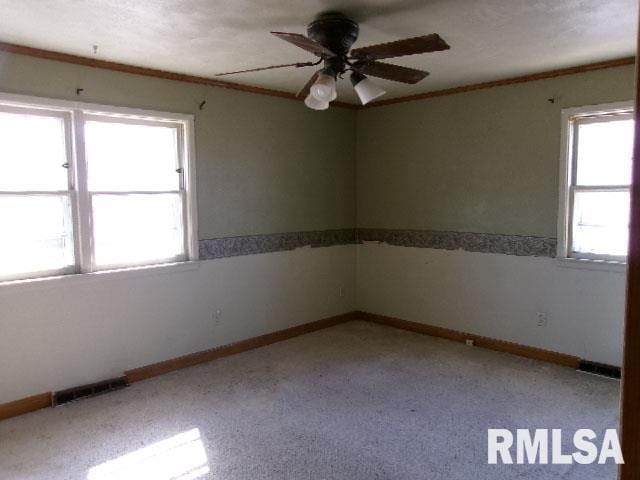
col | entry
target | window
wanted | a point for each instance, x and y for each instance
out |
(595, 182)
(85, 188)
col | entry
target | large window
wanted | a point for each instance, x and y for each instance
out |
(85, 188)
(596, 176)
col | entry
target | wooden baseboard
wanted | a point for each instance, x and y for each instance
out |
(25, 405)
(167, 366)
(43, 400)
(479, 341)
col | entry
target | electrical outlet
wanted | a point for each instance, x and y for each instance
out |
(217, 316)
(541, 319)
(469, 342)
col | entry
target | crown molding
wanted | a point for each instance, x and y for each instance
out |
(180, 77)
(619, 62)
(150, 72)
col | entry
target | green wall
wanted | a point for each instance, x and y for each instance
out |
(264, 164)
(483, 161)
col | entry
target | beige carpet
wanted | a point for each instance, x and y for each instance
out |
(357, 401)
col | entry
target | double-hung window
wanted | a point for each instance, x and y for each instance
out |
(36, 192)
(595, 182)
(86, 188)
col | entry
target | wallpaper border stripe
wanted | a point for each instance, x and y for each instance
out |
(519, 245)
(274, 242)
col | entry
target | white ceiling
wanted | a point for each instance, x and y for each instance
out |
(490, 39)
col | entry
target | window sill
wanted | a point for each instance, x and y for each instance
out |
(586, 264)
(116, 274)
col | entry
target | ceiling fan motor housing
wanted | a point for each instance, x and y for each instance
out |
(334, 31)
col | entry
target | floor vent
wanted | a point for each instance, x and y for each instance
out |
(91, 390)
(599, 369)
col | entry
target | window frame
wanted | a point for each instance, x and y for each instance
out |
(68, 193)
(74, 114)
(571, 117)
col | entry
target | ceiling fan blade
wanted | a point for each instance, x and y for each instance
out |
(305, 43)
(297, 65)
(391, 72)
(408, 46)
(304, 91)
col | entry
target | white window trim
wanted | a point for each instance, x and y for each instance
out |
(59, 280)
(566, 166)
(74, 111)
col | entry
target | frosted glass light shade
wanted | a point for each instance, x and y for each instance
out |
(324, 89)
(315, 104)
(366, 89)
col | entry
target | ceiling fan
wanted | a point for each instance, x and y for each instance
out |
(330, 37)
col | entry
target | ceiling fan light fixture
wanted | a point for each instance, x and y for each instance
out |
(324, 89)
(365, 88)
(315, 104)
(331, 37)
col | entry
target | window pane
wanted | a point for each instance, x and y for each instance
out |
(138, 228)
(37, 234)
(604, 153)
(124, 157)
(601, 223)
(32, 152)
